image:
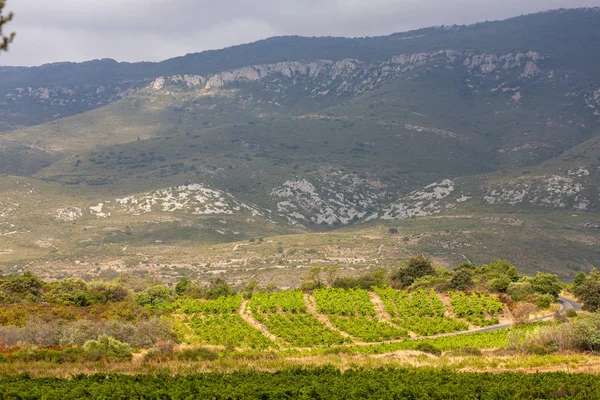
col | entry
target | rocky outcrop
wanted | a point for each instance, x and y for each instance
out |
(196, 199)
(571, 190)
(351, 76)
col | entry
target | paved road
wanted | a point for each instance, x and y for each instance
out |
(565, 304)
(568, 304)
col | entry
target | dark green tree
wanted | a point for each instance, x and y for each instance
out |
(546, 284)
(416, 267)
(588, 292)
(219, 287)
(578, 279)
(462, 279)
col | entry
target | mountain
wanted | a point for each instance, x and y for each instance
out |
(472, 142)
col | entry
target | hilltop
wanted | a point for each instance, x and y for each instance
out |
(462, 142)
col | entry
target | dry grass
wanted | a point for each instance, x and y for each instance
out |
(488, 362)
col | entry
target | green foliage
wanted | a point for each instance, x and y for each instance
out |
(288, 301)
(462, 279)
(588, 292)
(51, 355)
(183, 286)
(428, 348)
(155, 296)
(365, 281)
(228, 330)
(546, 284)
(520, 291)
(476, 307)
(367, 329)
(218, 287)
(421, 312)
(344, 302)
(427, 326)
(20, 287)
(578, 279)
(197, 354)
(416, 267)
(106, 347)
(302, 330)
(544, 301)
(222, 305)
(5, 40)
(323, 383)
(101, 292)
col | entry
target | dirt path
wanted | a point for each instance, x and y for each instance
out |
(255, 324)
(380, 308)
(311, 306)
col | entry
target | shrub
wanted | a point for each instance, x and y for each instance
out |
(522, 312)
(160, 352)
(101, 292)
(56, 356)
(218, 287)
(155, 296)
(546, 284)
(198, 353)
(520, 291)
(571, 313)
(106, 347)
(545, 300)
(428, 348)
(465, 352)
(415, 267)
(462, 279)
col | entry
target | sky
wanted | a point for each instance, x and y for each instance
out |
(153, 30)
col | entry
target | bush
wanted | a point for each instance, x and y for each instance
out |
(106, 347)
(101, 292)
(195, 354)
(155, 296)
(546, 284)
(545, 301)
(56, 356)
(465, 352)
(160, 352)
(571, 313)
(218, 287)
(416, 267)
(520, 291)
(428, 348)
(462, 279)
(365, 281)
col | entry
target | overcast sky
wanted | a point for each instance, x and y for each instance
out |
(153, 30)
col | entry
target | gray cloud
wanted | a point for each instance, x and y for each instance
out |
(152, 30)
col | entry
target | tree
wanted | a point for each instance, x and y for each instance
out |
(588, 292)
(312, 279)
(546, 284)
(416, 267)
(5, 40)
(183, 285)
(218, 287)
(578, 279)
(462, 279)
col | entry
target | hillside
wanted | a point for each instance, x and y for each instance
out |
(473, 142)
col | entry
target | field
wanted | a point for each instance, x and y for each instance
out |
(326, 382)
(340, 317)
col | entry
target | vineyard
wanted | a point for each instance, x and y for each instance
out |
(420, 312)
(283, 319)
(323, 383)
(478, 309)
(285, 315)
(216, 322)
